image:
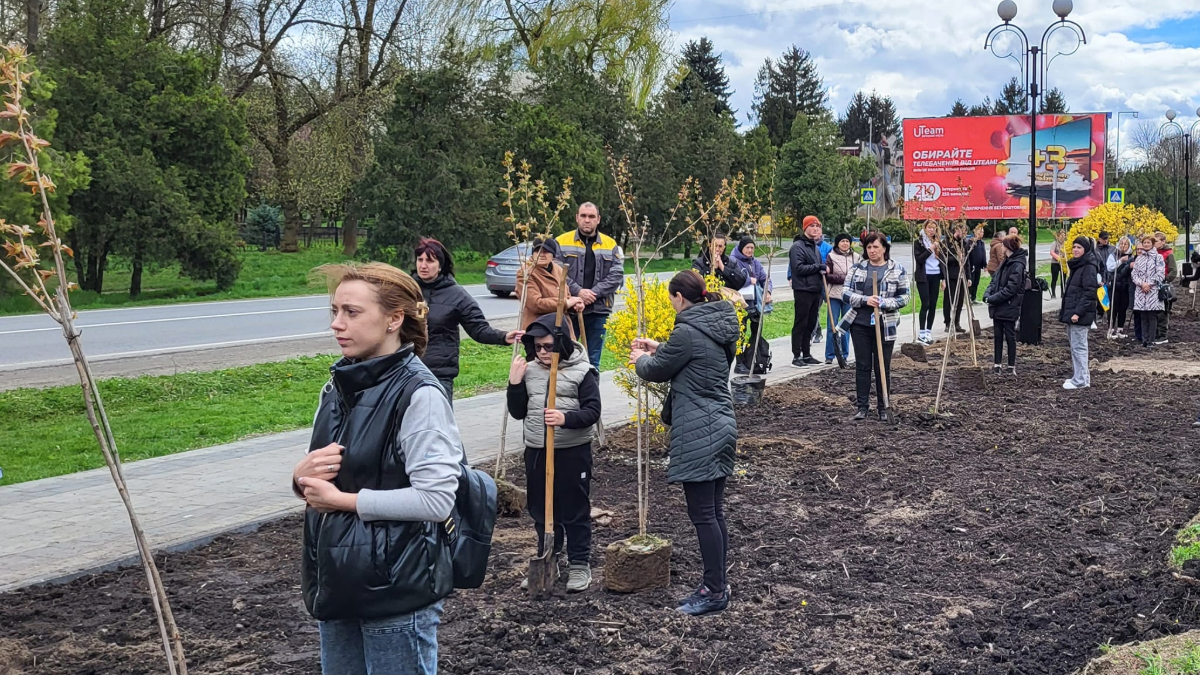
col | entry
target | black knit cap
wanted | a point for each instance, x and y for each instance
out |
(838, 239)
(547, 244)
(746, 239)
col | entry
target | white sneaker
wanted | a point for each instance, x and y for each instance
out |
(1161, 342)
(1069, 385)
(579, 578)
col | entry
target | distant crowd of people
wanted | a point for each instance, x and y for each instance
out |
(386, 459)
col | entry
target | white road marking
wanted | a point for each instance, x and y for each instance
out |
(164, 350)
(167, 320)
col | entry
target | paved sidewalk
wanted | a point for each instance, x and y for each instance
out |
(58, 528)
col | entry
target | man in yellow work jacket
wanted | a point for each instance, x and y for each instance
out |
(595, 270)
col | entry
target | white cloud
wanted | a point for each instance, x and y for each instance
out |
(926, 53)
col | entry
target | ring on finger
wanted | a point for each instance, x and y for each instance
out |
(329, 468)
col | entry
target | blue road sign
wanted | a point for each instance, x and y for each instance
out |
(867, 195)
(1116, 195)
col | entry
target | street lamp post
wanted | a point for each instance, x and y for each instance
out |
(1123, 112)
(1186, 138)
(1034, 61)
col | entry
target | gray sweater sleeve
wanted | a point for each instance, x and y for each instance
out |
(431, 450)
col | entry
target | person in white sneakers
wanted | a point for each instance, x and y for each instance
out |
(1079, 308)
(930, 275)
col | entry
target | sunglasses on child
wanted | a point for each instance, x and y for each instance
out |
(544, 348)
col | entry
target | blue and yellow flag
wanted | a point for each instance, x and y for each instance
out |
(1102, 294)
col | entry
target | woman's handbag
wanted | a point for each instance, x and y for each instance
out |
(1166, 293)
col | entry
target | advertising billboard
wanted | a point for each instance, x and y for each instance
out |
(981, 164)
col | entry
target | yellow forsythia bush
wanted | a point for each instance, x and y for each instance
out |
(622, 328)
(1120, 220)
(660, 321)
(716, 285)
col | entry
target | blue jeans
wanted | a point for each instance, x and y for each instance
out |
(399, 645)
(594, 329)
(839, 310)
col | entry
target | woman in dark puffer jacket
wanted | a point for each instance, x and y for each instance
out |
(450, 306)
(379, 481)
(699, 409)
(1079, 308)
(1004, 296)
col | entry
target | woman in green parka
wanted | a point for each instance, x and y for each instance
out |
(699, 409)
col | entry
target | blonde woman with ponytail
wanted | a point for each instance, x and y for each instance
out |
(379, 480)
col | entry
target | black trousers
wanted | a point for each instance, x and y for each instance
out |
(806, 305)
(948, 296)
(1121, 299)
(1006, 331)
(1164, 322)
(866, 360)
(706, 510)
(1055, 274)
(928, 290)
(1150, 324)
(572, 499)
(975, 284)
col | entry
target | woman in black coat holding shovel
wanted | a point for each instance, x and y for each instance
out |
(1004, 297)
(699, 410)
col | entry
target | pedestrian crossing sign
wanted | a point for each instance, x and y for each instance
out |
(1116, 195)
(867, 195)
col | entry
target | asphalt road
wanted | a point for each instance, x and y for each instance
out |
(257, 329)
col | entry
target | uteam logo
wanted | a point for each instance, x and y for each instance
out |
(923, 131)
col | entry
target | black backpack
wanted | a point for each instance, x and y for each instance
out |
(469, 528)
(762, 359)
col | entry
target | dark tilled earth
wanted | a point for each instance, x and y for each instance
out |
(1013, 533)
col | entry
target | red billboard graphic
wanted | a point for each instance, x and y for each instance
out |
(982, 164)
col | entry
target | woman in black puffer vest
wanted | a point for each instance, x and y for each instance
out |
(379, 480)
(699, 409)
(1004, 296)
(450, 306)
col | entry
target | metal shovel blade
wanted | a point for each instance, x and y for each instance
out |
(543, 574)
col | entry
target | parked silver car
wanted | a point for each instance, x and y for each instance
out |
(500, 275)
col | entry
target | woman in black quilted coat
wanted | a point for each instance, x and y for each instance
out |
(699, 409)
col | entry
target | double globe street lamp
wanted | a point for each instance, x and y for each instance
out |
(1034, 62)
(1186, 137)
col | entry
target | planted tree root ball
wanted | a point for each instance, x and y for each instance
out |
(914, 351)
(637, 564)
(510, 499)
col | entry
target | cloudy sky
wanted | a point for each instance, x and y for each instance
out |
(1141, 55)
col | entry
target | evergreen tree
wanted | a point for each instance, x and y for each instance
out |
(435, 168)
(980, 109)
(703, 69)
(873, 116)
(1012, 100)
(1054, 103)
(882, 112)
(164, 144)
(856, 123)
(681, 138)
(959, 109)
(786, 88)
(813, 178)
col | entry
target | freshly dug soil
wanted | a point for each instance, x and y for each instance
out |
(1014, 532)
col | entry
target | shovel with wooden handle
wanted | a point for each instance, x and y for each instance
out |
(883, 385)
(543, 570)
(583, 340)
(833, 331)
